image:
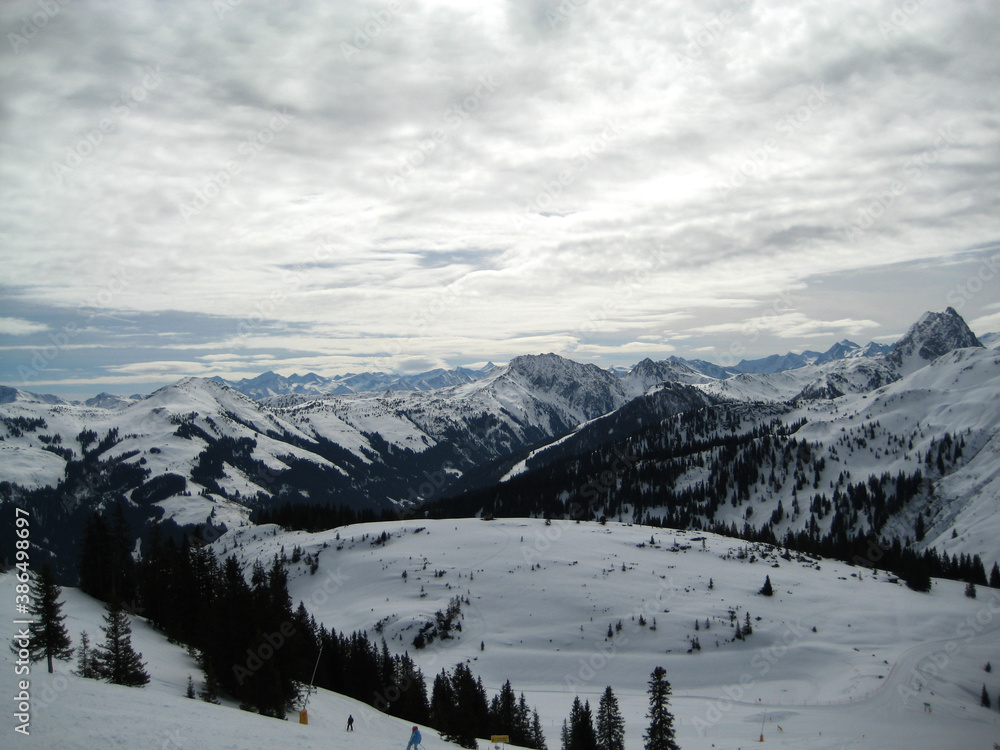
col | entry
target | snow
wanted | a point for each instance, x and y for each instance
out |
(542, 597)
(71, 713)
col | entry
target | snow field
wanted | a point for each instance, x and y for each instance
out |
(541, 599)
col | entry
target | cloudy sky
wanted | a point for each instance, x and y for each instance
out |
(202, 188)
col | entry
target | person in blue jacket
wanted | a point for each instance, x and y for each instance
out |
(414, 742)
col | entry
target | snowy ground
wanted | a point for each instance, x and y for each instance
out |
(541, 599)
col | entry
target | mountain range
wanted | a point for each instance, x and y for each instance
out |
(529, 436)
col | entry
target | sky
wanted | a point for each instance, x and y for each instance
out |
(226, 188)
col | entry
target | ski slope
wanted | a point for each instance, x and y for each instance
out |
(71, 713)
(541, 599)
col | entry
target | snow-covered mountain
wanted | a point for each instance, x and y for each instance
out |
(840, 656)
(822, 464)
(200, 450)
(776, 363)
(10, 395)
(930, 337)
(271, 384)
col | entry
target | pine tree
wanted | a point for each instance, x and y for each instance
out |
(85, 658)
(537, 735)
(610, 724)
(660, 734)
(116, 661)
(190, 693)
(581, 735)
(48, 635)
(766, 589)
(995, 576)
(210, 690)
(984, 698)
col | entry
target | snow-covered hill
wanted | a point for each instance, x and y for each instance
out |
(839, 657)
(71, 713)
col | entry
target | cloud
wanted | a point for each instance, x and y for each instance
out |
(19, 327)
(470, 179)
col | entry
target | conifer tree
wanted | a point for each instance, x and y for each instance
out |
(581, 735)
(537, 735)
(766, 589)
(610, 724)
(995, 576)
(48, 636)
(984, 698)
(116, 661)
(85, 658)
(660, 734)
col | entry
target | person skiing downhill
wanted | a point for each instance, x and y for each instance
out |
(350, 723)
(414, 742)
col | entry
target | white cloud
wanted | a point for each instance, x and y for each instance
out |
(651, 170)
(19, 327)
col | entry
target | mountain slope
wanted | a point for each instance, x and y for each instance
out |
(271, 384)
(921, 448)
(538, 600)
(930, 337)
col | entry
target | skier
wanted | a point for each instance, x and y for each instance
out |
(350, 723)
(414, 740)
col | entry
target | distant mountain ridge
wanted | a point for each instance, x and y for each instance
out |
(844, 349)
(270, 383)
(200, 451)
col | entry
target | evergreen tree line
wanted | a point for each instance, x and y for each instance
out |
(254, 647)
(739, 450)
(916, 568)
(580, 732)
(114, 660)
(315, 517)
(461, 711)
